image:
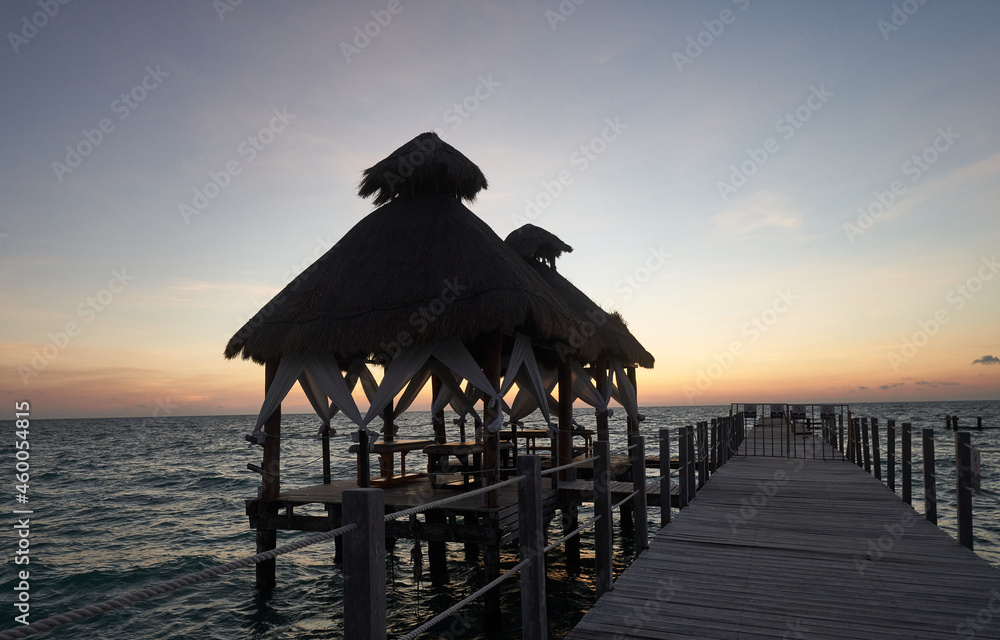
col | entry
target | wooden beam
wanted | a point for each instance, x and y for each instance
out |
(491, 442)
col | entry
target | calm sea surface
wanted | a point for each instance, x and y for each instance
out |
(123, 504)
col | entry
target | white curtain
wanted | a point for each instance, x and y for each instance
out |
(626, 392)
(456, 357)
(522, 360)
(288, 372)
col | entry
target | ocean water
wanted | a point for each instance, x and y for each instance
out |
(124, 504)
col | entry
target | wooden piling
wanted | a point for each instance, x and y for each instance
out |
(603, 529)
(531, 536)
(907, 463)
(682, 463)
(692, 484)
(865, 445)
(437, 551)
(890, 455)
(963, 487)
(876, 453)
(639, 501)
(270, 483)
(364, 565)
(930, 485)
(664, 477)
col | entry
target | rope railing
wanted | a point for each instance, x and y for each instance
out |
(83, 613)
(575, 463)
(405, 513)
(464, 602)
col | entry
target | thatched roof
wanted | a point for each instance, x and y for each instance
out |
(418, 269)
(424, 165)
(535, 243)
(616, 341)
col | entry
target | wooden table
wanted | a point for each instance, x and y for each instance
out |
(531, 435)
(386, 452)
(438, 454)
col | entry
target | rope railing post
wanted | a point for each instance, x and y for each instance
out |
(534, 615)
(907, 463)
(702, 454)
(713, 461)
(603, 529)
(682, 462)
(930, 487)
(963, 486)
(691, 460)
(639, 486)
(364, 565)
(664, 477)
(364, 470)
(890, 454)
(865, 445)
(876, 452)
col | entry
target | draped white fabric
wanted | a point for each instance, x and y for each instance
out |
(412, 390)
(584, 389)
(626, 392)
(527, 400)
(326, 373)
(324, 409)
(462, 402)
(400, 371)
(522, 359)
(288, 372)
(456, 357)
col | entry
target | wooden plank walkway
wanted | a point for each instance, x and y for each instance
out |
(785, 548)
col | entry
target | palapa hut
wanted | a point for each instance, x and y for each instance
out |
(618, 350)
(425, 289)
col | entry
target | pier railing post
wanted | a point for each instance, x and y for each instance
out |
(963, 486)
(664, 477)
(713, 447)
(930, 486)
(639, 501)
(531, 535)
(603, 528)
(701, 455)
(907, 463)
(890, 455)
(691, 461)
(364, 565)
(865, 448)
(682, 460)
(840, 433)
(876, 452)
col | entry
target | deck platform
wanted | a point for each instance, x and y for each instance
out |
(799, 548)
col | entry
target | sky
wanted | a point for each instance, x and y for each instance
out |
(787, 201)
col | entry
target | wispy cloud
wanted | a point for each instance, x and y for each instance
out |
(759, 211)
(938, 383)
(987, 360)
(886, 387)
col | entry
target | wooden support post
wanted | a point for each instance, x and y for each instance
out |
(437, 550)
(571, 520)
(907, 463)
(930, 484)
(491, 441)
(633, 425)
(876, 452)
(364, 565)
(270, 482)
(564, 442)
(471, 548)
(639, 500)
(531, 535)
(364, 470)
(840, 432)
(664, 477)
(326, 453)
(890, 454)
(682, 462)
(865, 445)
(702, 454)
(963, 487)
(600, 379)
(603, 528)
(492, 614)
(437, 418)
(713, 446)
(692, 483)
(388, 427)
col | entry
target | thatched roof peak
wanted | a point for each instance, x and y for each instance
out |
(425, 165)
(534, 243)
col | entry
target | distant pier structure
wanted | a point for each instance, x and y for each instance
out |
(426, 291)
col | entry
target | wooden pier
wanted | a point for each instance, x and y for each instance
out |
(784, 547)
